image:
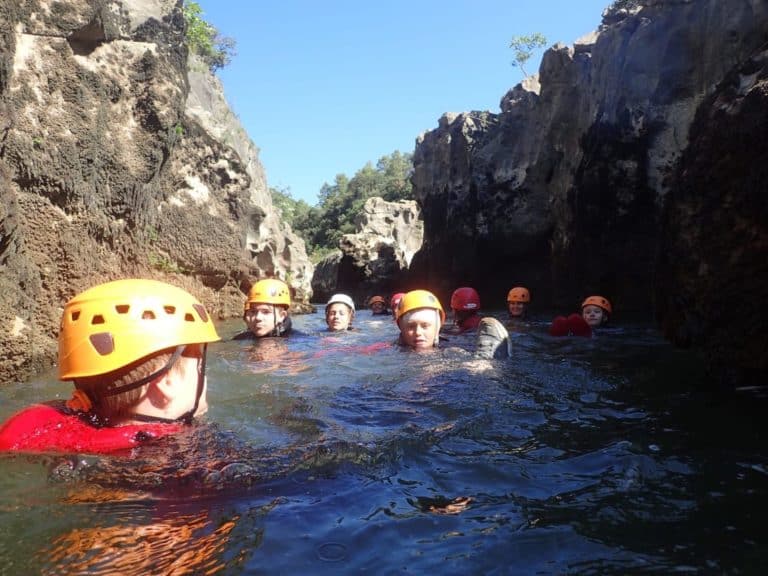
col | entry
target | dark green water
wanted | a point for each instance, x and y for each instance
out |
(320, 456)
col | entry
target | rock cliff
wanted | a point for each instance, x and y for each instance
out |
(372, 260)
(632, 166)
(119, 158)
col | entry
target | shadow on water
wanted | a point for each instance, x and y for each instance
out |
(329, 454)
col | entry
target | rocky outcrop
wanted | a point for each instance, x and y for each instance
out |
(712, 277)
(373, 259)
(108, 169)
(571, 188)
(272, 248)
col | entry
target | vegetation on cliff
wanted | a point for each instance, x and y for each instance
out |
(340, 203)
(524, 47)
(205, 40)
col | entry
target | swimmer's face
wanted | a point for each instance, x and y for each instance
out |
(187, 372)
(378, 307)
(593, 315)
(419, 328)
(261, 318)
(338, 316)
(516, 309)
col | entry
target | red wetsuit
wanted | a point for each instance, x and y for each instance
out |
(574, 325)
(46, 428)
(470, 323)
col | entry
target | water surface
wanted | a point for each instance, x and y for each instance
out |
(329, 454)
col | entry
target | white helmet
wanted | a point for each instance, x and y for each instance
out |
(343, 299)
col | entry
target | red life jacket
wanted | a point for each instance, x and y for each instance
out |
(45, 428)
(470, 323)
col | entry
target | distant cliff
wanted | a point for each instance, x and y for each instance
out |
(634, 166)
(119, 157)
(374, 259)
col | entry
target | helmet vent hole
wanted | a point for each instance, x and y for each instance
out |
(98, 319)
(200, 309)
(102, 343)
(122, 308)
(148, 315)
(188, 317)
(170, 309)
(75, 315)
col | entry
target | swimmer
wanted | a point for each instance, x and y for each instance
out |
(518, 300)
(419, 317)
(265, 311)
(378, 305)
(339, 313)
(465, 305)
(595, 311)
(394, 301)
(135, 351)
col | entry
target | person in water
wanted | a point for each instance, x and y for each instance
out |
(465, 305)
(419, 316)
(394, 301)
(378, 305)
(339, 313)
(265, 312)
(594, 314)
(518, 300)
(135, 351)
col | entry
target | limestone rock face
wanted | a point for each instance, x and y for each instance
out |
(108, 169)
(571, 188)
(373, 259)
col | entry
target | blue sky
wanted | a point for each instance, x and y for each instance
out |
(324, 87)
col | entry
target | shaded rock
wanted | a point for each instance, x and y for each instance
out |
(566, 190)
(326, 277)
(713, 267)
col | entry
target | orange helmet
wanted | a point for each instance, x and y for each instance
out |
(377, 299)
(465, 299)
(519, 294)
(269, 291)
(418, 299)
(598, 301)
(117, 323)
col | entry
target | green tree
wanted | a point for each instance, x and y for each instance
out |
(524, 47)
(204, 39)
(396, 170)
(341, 203)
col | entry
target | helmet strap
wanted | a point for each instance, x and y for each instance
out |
(147, 379)
(276, 329)
(188, 416)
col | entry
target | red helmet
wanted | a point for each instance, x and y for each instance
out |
(465, 299)
(395, 299)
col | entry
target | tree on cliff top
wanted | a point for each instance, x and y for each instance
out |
(524, 47)
(204, 39)
(322, 226)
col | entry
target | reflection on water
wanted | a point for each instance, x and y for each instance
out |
(338, 453)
